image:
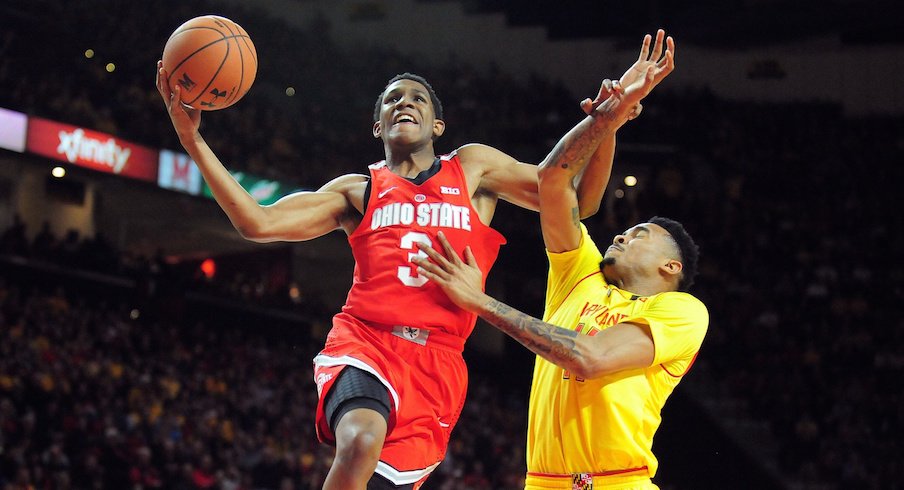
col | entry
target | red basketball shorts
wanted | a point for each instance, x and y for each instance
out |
(427, 380)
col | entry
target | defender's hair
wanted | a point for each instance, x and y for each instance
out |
(689, 250)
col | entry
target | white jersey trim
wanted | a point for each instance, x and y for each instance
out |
(329, 361)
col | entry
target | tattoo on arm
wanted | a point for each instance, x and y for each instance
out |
(576, 216)
(556, 344)
(573, 152)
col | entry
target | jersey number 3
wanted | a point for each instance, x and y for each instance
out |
(407, 243)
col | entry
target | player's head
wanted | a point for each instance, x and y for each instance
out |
(437, 105)
(660, 247)
(407, 95)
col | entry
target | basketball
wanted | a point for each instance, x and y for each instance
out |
(213, 61)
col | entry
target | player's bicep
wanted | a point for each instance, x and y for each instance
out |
(304, 216)
(502, 175)
(517, 183)
(622, 346)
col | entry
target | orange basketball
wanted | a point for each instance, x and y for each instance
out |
(212, 59)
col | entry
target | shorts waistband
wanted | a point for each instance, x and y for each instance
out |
(635, 478)
(641, 471)
(424, 336)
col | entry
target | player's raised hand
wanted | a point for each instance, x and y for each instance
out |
(652, 54)
(185, 119)
(655, 62)
(462, 280)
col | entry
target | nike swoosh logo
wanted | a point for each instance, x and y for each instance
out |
(384, 192)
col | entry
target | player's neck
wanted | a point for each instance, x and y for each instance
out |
(410, 164)
(639, 285)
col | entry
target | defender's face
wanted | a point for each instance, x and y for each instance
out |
(643, 247)
(407, 115)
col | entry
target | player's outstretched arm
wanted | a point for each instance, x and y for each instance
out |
(516, 182)
(301, 216)
(589, 148)
(622, 346)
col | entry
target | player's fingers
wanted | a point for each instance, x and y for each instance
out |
(162, 86)
(430, 268)
(636, 111)
(429, 273)
(175, 95)
(451, 254)
(605, 91)
(469, 257)
(587, 106)
(657, 46)
(424, 265)
(645, 48)
(668, 63)
(435, 256)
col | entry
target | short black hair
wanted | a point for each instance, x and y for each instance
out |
(437, 105)
(688, 249)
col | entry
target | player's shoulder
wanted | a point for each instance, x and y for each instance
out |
(481, 155)
(683, 301)
(345, 183)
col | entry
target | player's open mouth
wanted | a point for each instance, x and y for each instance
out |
(404, 119)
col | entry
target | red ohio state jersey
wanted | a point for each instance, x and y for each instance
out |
(387, 288)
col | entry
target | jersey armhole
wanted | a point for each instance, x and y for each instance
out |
(366, 196)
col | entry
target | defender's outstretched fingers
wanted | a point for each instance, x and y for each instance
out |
(469, 257)
(645, 48)
(670, 48)
(657, 46)
(635, 112)
(436, 259)
(451, 254)
(607, 88)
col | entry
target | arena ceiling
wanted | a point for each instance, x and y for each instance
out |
(730, 24)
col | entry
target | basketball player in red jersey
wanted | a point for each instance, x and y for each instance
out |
(391, 378)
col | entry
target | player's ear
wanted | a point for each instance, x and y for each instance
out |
(378, 131)
(671, 267)
(439, 126)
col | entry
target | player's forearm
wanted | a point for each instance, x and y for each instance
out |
(591, 183)
(557, 345)
(573, 152)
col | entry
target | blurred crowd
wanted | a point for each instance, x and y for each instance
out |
(794, 207)
(94, 396)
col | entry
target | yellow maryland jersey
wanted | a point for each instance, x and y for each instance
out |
(606, 425)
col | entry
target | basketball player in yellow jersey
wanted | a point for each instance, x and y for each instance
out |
(618, 332)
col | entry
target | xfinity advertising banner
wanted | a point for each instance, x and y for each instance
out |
(12, 130)
(91, 149)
